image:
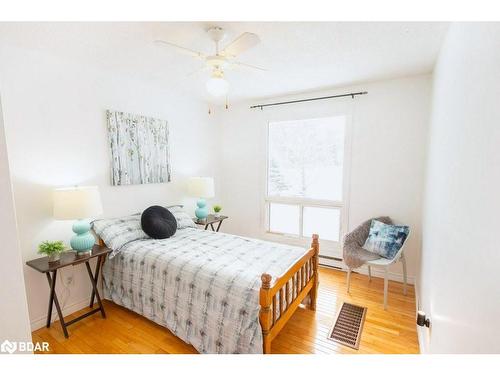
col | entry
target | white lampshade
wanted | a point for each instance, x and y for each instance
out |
(217, 87)
(201, 187)
(79, 202)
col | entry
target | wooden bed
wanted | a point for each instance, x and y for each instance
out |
(279, 298)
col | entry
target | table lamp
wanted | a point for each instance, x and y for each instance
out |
(78, 203)
(201, 187)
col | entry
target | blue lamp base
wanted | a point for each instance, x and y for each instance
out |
(83, 241)
(202, 211)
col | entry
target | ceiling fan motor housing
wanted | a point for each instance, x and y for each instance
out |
(216, 61)
(216, 33)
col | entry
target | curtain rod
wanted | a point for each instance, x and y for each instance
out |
(352, 94)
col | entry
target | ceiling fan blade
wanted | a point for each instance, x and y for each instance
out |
(238, 63)
(240, 44)
(185, 50)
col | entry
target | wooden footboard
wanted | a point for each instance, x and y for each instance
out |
(280, 299)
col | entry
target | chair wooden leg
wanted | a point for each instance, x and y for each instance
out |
(386, 286)
(369, 273)
(403, 260)
(348, 279)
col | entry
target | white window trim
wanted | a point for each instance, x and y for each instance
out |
(328, 248)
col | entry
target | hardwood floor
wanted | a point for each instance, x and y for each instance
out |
(391, 331)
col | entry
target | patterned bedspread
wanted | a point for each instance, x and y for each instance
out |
(203, 286)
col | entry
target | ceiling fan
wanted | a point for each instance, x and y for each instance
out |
(217, 86)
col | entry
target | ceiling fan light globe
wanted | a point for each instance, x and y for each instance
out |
(217, 87)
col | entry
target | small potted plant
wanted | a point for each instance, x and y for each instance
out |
(217, 209)
(52, 249)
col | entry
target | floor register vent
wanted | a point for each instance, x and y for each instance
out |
(349, 325)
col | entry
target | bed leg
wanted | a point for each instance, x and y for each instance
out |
(314, 290)
(265, 316)
(267, 345)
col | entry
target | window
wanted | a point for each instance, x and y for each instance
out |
(305, 177)
(283, 218)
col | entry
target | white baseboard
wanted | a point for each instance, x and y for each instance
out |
(376, 272)
(70, 309)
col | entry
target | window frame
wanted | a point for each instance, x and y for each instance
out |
(328, 248)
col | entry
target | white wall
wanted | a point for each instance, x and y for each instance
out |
(460, 282)
(12, 292)
(389, 136)
(55, 124)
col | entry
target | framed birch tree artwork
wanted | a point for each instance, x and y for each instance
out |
(139, 149)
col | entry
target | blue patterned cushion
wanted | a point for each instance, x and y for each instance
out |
(385, 240)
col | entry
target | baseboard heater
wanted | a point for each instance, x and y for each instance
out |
(331, 258)
(335, 259)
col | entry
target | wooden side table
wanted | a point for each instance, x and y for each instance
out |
(71, 259)
(210, 221)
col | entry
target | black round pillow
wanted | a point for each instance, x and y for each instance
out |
(158, 222)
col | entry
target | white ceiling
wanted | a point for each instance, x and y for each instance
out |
(299, 56)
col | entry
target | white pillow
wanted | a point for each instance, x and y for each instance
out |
(119, 231)
(183, 219)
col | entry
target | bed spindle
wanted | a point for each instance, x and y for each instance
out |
(282, 301)
(287, 295)
(302, 280)
(274, 309)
